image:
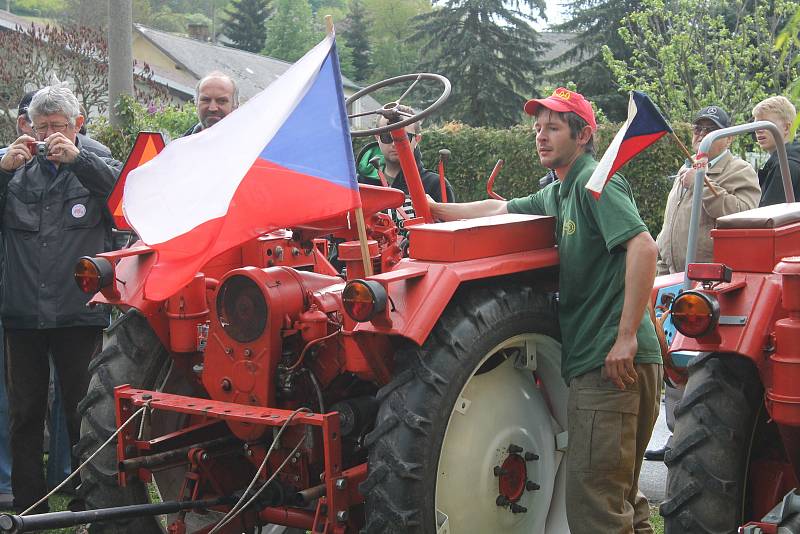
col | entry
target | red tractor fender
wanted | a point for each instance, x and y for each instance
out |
(421, 286)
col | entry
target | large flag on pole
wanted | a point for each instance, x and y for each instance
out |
(282, 159)
(644, 126)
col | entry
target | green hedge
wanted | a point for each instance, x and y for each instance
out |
(474, 152)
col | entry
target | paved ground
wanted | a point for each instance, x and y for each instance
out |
(653, 478)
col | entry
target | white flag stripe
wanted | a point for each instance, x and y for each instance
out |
(598, 178)
(194, 178)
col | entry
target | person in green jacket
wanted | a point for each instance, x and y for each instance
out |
(383, 148)
(611, 357)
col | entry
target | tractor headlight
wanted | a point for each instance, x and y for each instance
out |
(242, 308)
(695, 314)
(93, 274)
(363, 299)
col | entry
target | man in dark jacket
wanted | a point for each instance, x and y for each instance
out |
(216, 95)
(384, 149)
(780, 111)
(53, 212)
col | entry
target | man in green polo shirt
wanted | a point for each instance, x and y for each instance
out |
(611, 358)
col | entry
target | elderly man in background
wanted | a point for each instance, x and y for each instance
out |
(53, 193)
(732, 187)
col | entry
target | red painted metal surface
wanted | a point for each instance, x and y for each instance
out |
(131, 399)
(764, 247)
(709, 272)
(409, 165)
(484, 237)
(244, 372)
(783, 397)
(420, 300)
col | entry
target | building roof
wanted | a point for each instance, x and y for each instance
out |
(9, 21)
(194, 59)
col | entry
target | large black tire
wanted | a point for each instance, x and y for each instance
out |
(132, 355)
(708, 464)
(410, 428)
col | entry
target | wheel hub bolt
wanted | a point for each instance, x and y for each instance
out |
(342, 515)
(517, 509)
(514, 449)
(502, 500)
(499, 471)
(531, 486)
(341, 483)
(530, 457)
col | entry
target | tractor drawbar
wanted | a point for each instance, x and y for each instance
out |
(14, 524)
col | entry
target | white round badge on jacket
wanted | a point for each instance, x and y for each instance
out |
(78, 211)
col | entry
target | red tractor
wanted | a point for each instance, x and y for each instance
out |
(736, 448)
(424, 397)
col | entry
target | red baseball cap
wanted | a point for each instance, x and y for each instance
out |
(563, 100)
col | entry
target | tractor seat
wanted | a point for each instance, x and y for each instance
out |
(767, 217)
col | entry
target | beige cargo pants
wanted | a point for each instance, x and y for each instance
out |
(609, 430)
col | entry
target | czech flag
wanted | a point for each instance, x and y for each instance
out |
(282, 159)
(644, 126)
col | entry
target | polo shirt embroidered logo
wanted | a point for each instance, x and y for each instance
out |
(563, 94)
(78, 211)
(569, 227)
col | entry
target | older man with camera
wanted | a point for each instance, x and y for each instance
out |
(52, 204)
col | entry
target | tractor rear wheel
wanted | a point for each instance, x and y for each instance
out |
(133, 355)
(465, 439)
(709, 461)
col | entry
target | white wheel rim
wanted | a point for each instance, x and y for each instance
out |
(495, 409)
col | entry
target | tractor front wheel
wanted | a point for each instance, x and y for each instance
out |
(466, 437)
(709, 461)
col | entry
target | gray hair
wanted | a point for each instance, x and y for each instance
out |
(221, 76)
(55, 99)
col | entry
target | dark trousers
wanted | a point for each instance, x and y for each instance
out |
(28, 378)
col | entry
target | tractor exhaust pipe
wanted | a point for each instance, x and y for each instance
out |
(14, 524)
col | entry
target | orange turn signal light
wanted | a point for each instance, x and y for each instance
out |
(93, 274)
(695, 314)
(363, 299)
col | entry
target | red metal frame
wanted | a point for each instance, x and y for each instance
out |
(129, 399)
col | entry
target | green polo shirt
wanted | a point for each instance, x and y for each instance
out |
(589, 233)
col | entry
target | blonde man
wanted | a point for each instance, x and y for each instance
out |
(780, 111)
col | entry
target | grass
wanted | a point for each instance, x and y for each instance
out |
(656, 520)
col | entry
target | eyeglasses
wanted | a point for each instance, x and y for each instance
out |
(386, 137)
(56, 127)
(703, 130)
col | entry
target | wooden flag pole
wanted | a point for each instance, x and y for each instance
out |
(691, 158)
(360, 224)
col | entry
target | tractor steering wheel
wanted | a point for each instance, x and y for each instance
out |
(390, 109)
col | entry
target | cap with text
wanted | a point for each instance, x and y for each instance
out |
(563, 100)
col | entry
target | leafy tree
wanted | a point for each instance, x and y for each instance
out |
(290, 32)
(690, 53)
(390, 26)
(788, 41)
(597, 23)
(357, 38)
(245, 24)
(37, 56)
(489, 49)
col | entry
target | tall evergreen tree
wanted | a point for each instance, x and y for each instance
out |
(290, 31)
(358, 40)
(246, 23)
(597, 23)
(489, 50)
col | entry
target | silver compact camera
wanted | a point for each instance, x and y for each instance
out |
(37, 148)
